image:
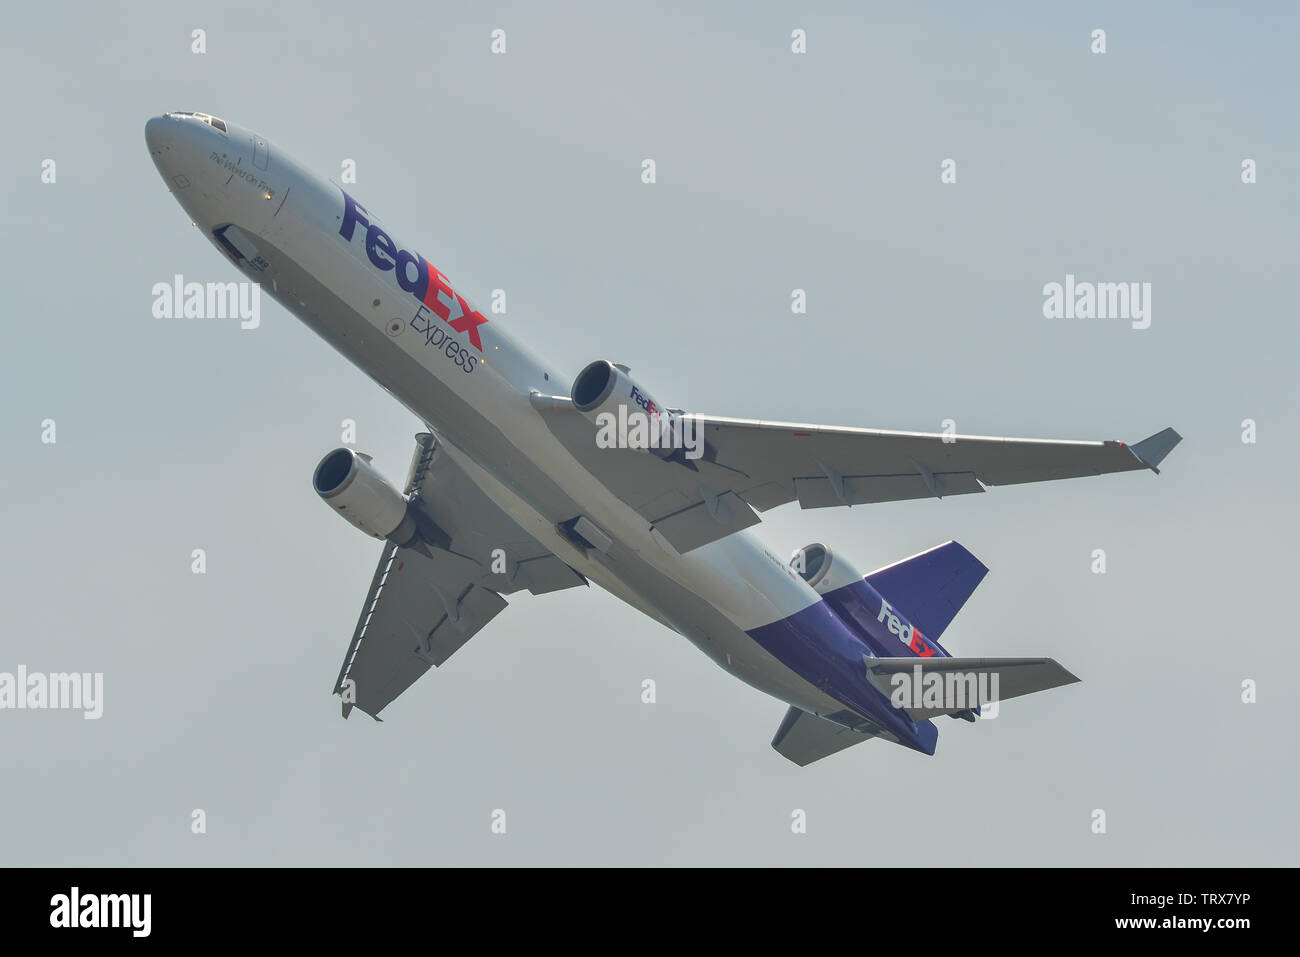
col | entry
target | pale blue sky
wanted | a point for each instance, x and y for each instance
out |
(775, 171)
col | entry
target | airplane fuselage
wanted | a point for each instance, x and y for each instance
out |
(331, 262)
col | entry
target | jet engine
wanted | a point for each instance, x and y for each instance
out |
(609, 397)
(353, 487)
(823, 569)
(603, 386)
(855, 601)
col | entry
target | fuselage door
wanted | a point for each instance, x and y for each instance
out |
(260, 153)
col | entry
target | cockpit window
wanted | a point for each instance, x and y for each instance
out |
(209, 119)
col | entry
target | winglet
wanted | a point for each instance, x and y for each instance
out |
(1153, 449)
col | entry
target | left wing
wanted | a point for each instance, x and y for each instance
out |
(823, 465)
(422, 607)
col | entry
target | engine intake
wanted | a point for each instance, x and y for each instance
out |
(823, 569)
(609, 397)
(350, 485)
(604, 387)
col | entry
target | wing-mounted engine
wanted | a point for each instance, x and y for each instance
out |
(348, 482)
(653, 458)
(609, 397)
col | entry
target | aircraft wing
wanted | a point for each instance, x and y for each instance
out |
(422, 607)
(824, 465)
(748, 464)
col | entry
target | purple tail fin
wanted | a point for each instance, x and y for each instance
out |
(931, 587)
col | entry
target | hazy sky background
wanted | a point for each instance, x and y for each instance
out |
(775, 171)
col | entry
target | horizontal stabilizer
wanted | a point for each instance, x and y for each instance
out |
(960, 684)
(804, 738)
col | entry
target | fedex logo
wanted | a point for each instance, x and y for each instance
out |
(908, 635)
(644, 401)
(414, 274)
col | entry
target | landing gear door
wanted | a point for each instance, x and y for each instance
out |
(260, 154)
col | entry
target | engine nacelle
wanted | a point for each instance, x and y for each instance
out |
(857, 603)
(353, 487)
(823, 569)
(608, 396)
(604, 387)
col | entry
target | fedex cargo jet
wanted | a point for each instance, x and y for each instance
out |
(526, 479)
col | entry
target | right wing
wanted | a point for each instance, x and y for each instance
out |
(421, 608)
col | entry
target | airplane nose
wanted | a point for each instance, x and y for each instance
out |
(158, 133)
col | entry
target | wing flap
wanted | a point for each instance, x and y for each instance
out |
(547, 573)
(821, 492)
(474, 609)
(706, 521)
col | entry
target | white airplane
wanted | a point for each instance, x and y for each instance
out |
(527, 480)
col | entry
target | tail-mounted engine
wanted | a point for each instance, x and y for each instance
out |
(855, 600)
(823, 569)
